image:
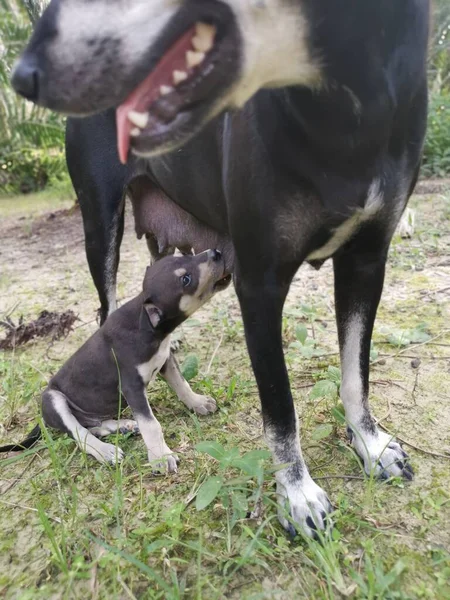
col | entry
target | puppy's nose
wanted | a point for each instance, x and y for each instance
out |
(25, 79)
(214, 255)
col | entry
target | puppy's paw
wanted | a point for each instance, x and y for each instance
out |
(129, 426)
(175, 345)
(108, 454)
(307, 504)
(163, 462)
(381, 454)
(202, 405)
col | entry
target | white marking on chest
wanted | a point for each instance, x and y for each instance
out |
(150, 369)
(347, 230)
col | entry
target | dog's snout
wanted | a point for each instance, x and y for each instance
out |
(25, 79)
(215, 255)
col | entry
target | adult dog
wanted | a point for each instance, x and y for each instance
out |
(296, 126)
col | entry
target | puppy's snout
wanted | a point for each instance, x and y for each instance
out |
(214, 255)
(25, 79)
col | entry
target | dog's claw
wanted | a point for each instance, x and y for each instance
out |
(291, 530)
(350, 434)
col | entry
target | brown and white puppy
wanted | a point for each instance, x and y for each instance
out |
(114, 366)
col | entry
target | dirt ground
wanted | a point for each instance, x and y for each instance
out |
(43, 267)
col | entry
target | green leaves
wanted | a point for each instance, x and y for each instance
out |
(231, 490)
(208, 492)
(322, 431)
(404, 337)
(324, 389)
(329, 387)
(189, 368)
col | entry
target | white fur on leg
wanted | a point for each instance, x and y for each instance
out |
(202, 405)
(157, 448)
(113, 426)
(382, 456)
(104, 453)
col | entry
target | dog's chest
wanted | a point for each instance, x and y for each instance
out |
(150, 369)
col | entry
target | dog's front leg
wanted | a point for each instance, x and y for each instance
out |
(202, 405)
(262, 296)
(149, 427)
(359, 275)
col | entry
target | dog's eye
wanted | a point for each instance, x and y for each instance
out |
(186, 280)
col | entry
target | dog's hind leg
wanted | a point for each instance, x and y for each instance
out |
(359, 275)
(99, 181)
(112, 426)
(57, 414)
(202, 405)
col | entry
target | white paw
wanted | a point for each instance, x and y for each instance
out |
(381, 454)
(202, 405)
(163, 461)
(175, 345)
(128, 426)
(305, 501)
(109, 454)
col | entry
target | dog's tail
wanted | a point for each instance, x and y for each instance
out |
(34, 435)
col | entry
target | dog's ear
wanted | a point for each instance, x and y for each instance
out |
(150, 316)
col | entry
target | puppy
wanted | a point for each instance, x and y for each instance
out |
(113, 368)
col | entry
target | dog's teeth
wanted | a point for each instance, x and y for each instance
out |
(194, 59)
(138, 119)
(179, 76)
(203, 40)
(165, 89)
(135, 132)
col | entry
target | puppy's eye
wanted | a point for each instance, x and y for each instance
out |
(186, 280)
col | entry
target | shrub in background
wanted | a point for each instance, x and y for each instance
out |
(436, 159)
(31, 138)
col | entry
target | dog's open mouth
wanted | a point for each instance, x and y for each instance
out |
(223, 283)
(185, 76)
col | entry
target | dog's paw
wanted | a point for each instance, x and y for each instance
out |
(175, 345)
(109, 454)
(381, 454)
(165, 462)
(307, 504)
(202, 405)
(129, 426)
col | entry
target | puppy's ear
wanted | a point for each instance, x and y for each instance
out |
(150, 317)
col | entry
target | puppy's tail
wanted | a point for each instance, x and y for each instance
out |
(34, 435)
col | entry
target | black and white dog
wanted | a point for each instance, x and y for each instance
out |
(293, 126)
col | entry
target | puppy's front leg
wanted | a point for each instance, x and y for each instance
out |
(202, 405)
(149, 426)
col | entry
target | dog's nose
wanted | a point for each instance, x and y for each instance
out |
(25, 79)
(214, 255)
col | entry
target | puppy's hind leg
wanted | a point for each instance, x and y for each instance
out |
(112, 426)
(57, 414)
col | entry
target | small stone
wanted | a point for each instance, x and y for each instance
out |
(415, 363)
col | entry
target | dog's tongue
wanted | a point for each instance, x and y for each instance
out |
(148, 91)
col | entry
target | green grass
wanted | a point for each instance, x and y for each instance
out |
(74, 529)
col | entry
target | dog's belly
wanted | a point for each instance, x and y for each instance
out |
(170, 226)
